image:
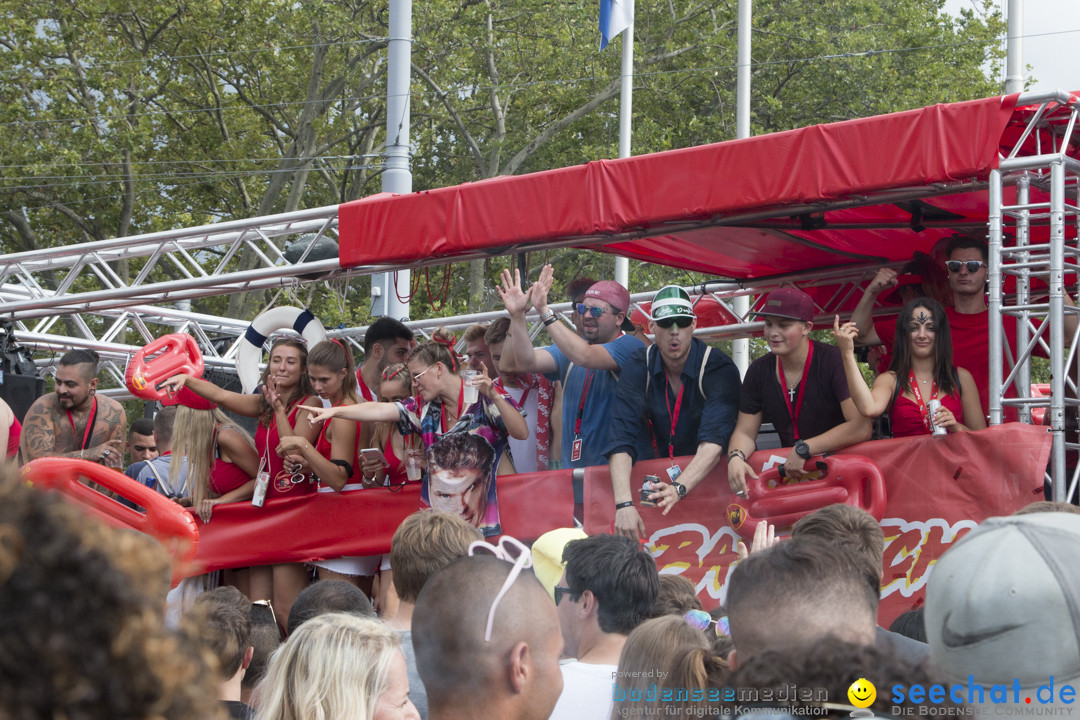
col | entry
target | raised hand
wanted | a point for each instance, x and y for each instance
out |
(845, 335)
(514, 298)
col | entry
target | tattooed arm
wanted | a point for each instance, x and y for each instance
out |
(46, 433)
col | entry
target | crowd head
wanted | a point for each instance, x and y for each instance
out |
(511, 673)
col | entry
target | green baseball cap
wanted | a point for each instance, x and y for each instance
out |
(671, 302)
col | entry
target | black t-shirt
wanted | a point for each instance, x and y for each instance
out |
(826, 388)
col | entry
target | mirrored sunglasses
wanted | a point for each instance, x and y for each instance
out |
(583, 310)
(703, 621)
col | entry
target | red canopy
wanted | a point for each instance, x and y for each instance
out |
(861, 191)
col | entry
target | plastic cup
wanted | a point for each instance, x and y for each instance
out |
(472, 394)
(413, 470)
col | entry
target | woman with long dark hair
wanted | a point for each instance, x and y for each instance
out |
(921, 371)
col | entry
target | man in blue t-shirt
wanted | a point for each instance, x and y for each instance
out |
(588, 366)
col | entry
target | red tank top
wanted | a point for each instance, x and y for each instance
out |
(13, 438)
(907, 421)
(395, 468)
(225, 476)
(266, 442)
(324, 447)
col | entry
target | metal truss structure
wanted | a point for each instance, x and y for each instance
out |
(1053, 128)
(75, 296)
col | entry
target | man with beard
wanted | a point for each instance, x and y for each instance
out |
(587, 366)
(73, 421)
(387, 342)
(684, 394)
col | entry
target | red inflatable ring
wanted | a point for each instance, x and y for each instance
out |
(166, 521)
(849, 479)
(161, 359)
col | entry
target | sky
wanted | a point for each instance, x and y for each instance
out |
(1051, 38)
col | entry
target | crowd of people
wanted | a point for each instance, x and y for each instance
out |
(449, 625)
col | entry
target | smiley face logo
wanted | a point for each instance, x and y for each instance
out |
(862, 693)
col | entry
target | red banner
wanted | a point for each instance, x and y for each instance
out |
(362, 522)
(936, 490)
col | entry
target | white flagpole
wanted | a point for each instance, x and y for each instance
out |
(626, 104)
(740, 349)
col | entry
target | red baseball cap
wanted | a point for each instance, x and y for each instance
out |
(789, 303)
(612, 293)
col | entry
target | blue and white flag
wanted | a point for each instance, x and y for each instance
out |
(615, 16)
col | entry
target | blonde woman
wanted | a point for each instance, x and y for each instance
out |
(337, 666)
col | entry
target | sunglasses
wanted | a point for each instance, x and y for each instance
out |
(419, 375)
(702, 621)
(559, 591)
(511, 550)
(583, 310)
(972, 265)
(682, 321)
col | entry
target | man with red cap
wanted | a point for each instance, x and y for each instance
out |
(588, 366)
(800, 387)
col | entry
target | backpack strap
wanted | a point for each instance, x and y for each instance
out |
(701, 372)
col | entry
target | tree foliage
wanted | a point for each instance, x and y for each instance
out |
(129, 117)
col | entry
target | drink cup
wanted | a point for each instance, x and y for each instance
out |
(471, 392)
(413, 470)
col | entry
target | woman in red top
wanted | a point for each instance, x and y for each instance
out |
(334, 456)
(284, 388)
(396, 385)
(922, 365)
(214, 462)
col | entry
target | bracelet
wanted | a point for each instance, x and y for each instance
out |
(736, 454)
(620, 506)
(549, 318)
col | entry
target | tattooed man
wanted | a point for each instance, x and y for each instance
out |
(73, 421)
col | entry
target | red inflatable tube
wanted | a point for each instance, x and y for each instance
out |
(849, 479)
(161, 359)
(163, 519)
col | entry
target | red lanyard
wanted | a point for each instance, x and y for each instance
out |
(460, 400)
(802, 388)
(521, 400)
(581, 405)
(365, 391)
(674, 416)
(923, 411)
(89, 425)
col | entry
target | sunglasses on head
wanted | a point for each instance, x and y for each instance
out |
(704, 622)
(682, 321)
(583, 310)
(972, 265)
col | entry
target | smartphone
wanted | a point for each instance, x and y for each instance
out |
(373, 454)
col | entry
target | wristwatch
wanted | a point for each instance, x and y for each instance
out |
(802, 450)
(679, 488)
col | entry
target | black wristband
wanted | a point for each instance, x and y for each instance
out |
(550, 320)
(736, 453)
(345, 464)
(620, 506)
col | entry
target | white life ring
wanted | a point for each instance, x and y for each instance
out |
(280, 318)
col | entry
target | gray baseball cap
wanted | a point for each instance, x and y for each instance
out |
(1003, 605)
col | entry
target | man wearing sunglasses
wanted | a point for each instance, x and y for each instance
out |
(587, 366)
(609, 588)
(969, 317)
(683, 395)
